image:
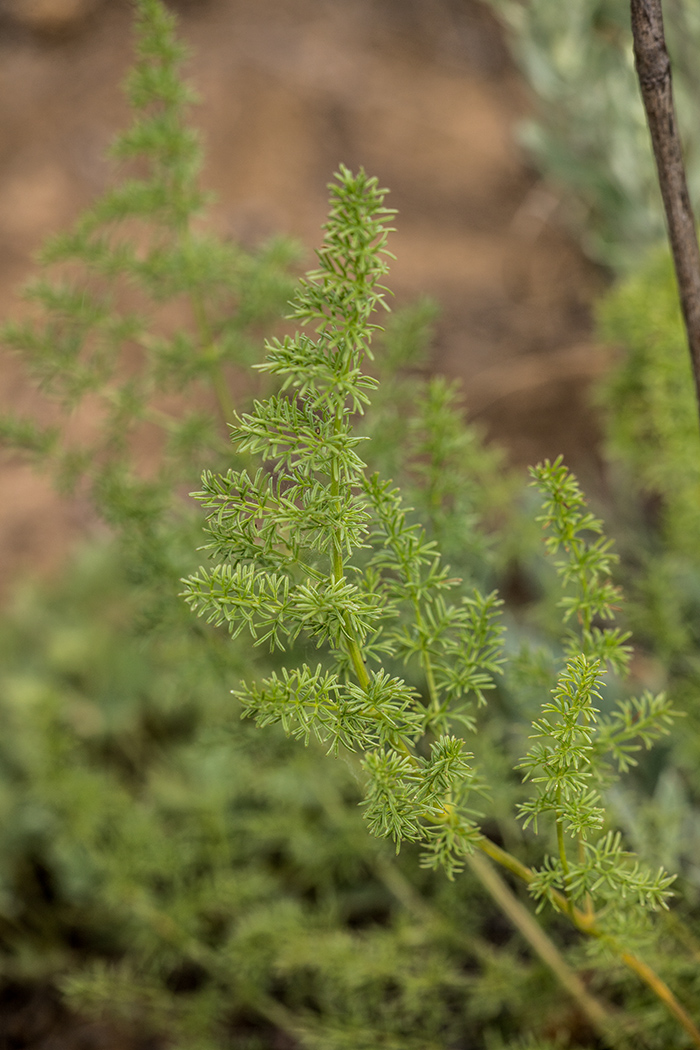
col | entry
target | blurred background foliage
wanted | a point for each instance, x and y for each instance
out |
(190, 879)
(588, 133)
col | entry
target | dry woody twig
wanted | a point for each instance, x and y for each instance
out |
(654, 72)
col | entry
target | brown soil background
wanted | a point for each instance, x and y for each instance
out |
(421, 92)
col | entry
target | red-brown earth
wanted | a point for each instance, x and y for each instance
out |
(421, 92)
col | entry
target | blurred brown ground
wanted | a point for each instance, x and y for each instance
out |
(420, 92)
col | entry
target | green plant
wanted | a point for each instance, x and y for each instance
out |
(170, 866)
(136, 871)
(653, 444)
(138, 320)
(313, 549)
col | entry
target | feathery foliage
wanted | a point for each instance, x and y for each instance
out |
(220, 880)
(141, 314)
(317, 550)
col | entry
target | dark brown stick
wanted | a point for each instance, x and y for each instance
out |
(654, 73)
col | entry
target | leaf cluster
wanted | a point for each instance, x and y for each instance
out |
(221, 877)
(576, 750)
(315, 547)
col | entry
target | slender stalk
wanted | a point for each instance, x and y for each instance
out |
(598, 1015)
(216, 374)
(561, 845)
(337, 572)
(585, 922)
(654, 73)
(662, 992)
(588, 901)
(426, 661)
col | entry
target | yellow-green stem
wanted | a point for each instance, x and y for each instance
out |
(590, 910)
(599, 1017)
(561, 845)
(427, 663)
(662, 992)
(584, 921)
(586, 924)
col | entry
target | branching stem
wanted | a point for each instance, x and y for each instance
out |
(585, 922)
(598, 1015)
(561, 844)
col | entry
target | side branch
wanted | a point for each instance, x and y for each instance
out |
(602, 1021)
(654, 73)
(586, 924)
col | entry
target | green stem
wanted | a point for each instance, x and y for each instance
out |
(216, 374)
(337, 572)
(662, 992)
(598, 1015)
(426, 661)
(586, 924)
(590, 910)
(561, 845)
(583, 921)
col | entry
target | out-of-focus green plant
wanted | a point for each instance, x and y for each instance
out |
(648, 397)
(654, 443)
(588, 134)
(172, 868)
(138, 321)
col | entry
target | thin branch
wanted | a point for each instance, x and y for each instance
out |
(608, 1026)
(586, 924)
(654, 73)
(606, 1023)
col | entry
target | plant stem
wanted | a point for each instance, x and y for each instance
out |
(562, 853)
(218, 379)
(594, 1011)
(585, 922)
(598, 1015)
(654, 73)
(600, 1018)
(426, 661)
(590, 911)
(337, 573)
(662, 992)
